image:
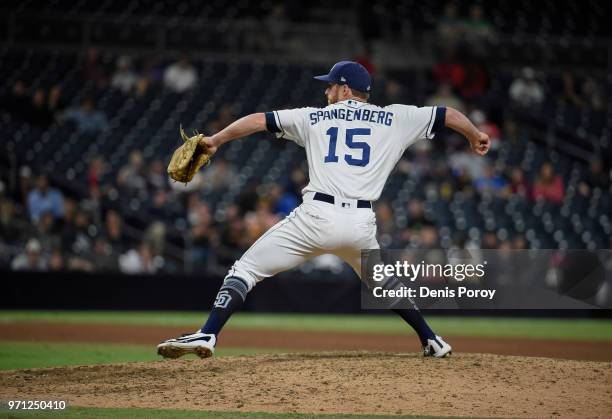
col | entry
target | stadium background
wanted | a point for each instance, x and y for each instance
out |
(92, 94)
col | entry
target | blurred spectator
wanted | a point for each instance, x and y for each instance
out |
(39, 113)
(224, 118)
(157, 178)
(97, 168)
(55, 102)
(444, 97)
(124, 78)
(17, 103)
(526, 90)
(200, 233)
(180, 76)
(518, 184)
(114, 231)
(45, 199)
(394, 92)
(469, 163)
(595, 178)
(570, 95)
(81, 238)
(30, 260)
(56, 260)
(93, 69)
(449, 70)
(489, 240)
(11, 224)
(593, 94)
(549, 185)
(131, 177)
(138, 261)
(475, 82)
(220, 174)
(491, 182)
(150, 76)
(103, 258)
(283, 202)
(450, 26)
(86, 118)
(365, 59)
(477, 26)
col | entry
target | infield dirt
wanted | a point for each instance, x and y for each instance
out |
(334, 382)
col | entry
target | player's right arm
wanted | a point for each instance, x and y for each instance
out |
(288, 123)
(479, 141)
(247, 125)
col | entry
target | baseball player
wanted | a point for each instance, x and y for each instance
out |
(351, 147)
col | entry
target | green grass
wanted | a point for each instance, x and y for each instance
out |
(17, 355)
(91, 412)
(580, 329)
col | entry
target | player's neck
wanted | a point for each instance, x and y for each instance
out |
(355, 98)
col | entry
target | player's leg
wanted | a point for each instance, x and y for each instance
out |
(282, 247)
(433, 345)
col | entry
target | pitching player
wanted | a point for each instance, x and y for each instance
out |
(351, 147)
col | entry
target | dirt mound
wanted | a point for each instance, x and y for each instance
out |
(334, 382)
(303, 340)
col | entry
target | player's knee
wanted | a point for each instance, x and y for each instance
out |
(244, 274)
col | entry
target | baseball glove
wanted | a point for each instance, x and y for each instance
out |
(188, 158)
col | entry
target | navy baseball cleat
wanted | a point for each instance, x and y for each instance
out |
(437, 348)
(201, 344)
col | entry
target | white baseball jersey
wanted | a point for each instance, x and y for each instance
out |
(351, 149)
(352, 146)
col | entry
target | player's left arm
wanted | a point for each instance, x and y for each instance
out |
(479, 141)
(243, 127)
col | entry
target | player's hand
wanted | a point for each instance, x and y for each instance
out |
(208, 143)
(481, 144)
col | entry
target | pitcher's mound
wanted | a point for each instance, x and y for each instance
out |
(333, 382)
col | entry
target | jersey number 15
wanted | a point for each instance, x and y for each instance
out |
(351, 133)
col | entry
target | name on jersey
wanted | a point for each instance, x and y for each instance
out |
(378, 117)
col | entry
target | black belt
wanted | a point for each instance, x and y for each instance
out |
(331, 200)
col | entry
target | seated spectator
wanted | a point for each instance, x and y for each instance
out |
(131, 177)
(526, 90)
(17, 103)
(114, 231)
(491, 182)
(224, 118)
(444, 97)
(45, 199)
(283, 201)
(86, 118)
(39, 113)
(595, 178)
(477, 26)
(92, 68)
(124, 79)
(518, 184)
(157, 178)
(97, 169)
(30, 260)
(219, 174)
(449, 69)
(55, 102)
(571, 95)
(151, 76)
(593, 94)
(180, 76)
(476, 81)
(450, 27)
(549, 185)
(138, 261)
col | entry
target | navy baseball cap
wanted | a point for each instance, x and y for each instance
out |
(350, 73)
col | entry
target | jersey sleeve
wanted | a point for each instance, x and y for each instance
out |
(289, 123)
(420, 123)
